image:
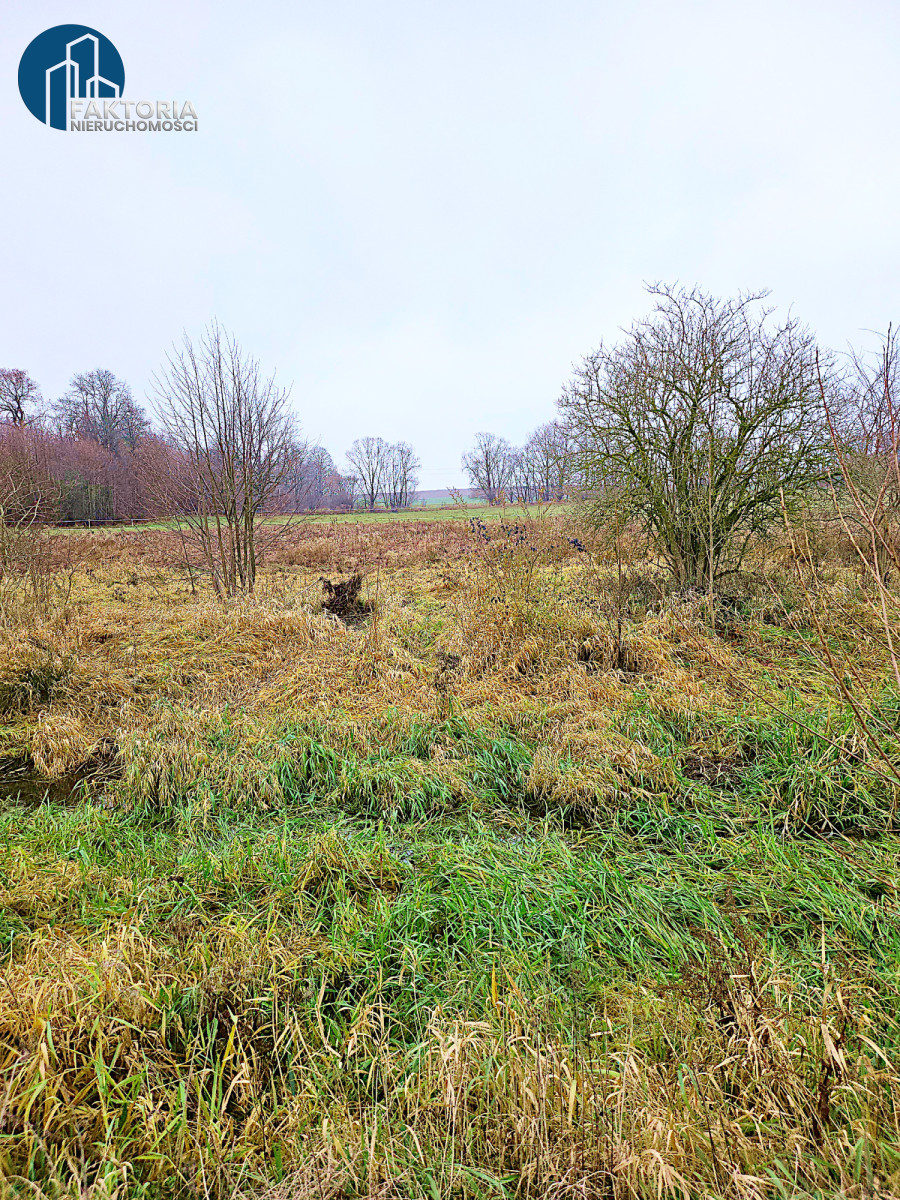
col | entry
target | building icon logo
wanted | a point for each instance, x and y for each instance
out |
(65, 63)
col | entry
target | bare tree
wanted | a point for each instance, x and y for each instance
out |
(314, 482)
(344, 490)
(367, 458)
(543, 469)
(101, 408)
(19, 395)
(239, 442)
(551, 456)
(489, 466)
(28, 502)
(866, 431)
(523, 481)
(319, 477)
(865, 421)
(133, 425)
(400, 475)
(701, 425)
(296, 487)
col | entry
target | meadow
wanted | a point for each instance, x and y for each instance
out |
(430, 512)
(523, 876)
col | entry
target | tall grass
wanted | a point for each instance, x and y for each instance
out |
(453, 901)
(238, 998)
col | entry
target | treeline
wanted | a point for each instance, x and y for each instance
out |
(88, 456)
(93, 456)
(544, 469)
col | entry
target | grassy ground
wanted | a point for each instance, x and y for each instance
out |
(475, 894)
(434, 511)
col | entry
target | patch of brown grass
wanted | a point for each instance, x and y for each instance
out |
(478, 629)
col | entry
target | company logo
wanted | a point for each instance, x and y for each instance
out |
(71, 77)
(68, 62)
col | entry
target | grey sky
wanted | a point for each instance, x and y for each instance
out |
(421, 213)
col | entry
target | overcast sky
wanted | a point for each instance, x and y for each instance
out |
(421, 213)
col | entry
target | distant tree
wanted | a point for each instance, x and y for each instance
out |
(134, 425)
(700, 425)
(551, 457)
(400, 477)
(865, 426)
(524, 486)
(95, 484)
(20, 396)
(318, 471)
(134, 478)
(28, 491)
(85, 503)
(239, 443)
(490, 465)
(866, 420)
(368, 458)
(101, 408)
(76, 479)
(344, 490)
(313, 480)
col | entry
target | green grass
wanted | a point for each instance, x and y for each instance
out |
(461, 894)
(431, 512)
(405, 922)
(453, 512)
(317, 942)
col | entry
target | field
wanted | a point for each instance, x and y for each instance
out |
(523, 877)
(432, 512)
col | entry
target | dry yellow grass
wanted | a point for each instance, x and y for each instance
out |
(483, 894)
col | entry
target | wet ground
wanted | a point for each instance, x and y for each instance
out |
(21, 785)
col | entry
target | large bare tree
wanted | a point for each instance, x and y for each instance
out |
(101, 408)
(701, 425)
(314, 481)
(550, 454)
(400, 476)
(368, 458)
(523, 485)
(239, 442)
(490, 465)
(20, 396)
